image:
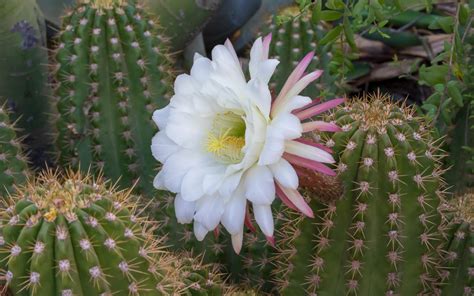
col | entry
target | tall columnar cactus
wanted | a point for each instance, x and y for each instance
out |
(381, 236)
(292, 40)
(112, 73)
(23, 70)
(459, 252)
(79, 236)
(13, 163)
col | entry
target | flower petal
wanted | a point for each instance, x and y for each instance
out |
(273, 148)
(288, 125)
(160, 117)
(234, 213)
(237, 241)
(307, 151)
(309, 164)
(285, 174)
(264, 218)
(296, 199)
(199, 231)
(162, 146)
(184, 209)
(259, 185)
(321, 126)
(209, 211)
(318, 109)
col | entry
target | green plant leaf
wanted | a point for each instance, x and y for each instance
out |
(433, 75)
(331, 35)
(454, 92)
(330, 15)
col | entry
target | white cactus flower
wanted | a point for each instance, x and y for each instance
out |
(224, 142)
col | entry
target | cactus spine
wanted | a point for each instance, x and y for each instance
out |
(23, 68)
(292, 40)
(112, 73)
(459, 252)
(13, 164)
(381, 237)
(79, 236)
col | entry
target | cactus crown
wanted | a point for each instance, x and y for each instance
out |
(464, 207)
(104, 4)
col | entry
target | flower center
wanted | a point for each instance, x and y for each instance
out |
(226, 138)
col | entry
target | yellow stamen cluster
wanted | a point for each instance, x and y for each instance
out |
(226, 138)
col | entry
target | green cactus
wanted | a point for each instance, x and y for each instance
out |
(77, 235)
(459, 252)
(112, 73)
(182, 19)
(23, 68)
(13, 164)
(292, 40)
(381, 237)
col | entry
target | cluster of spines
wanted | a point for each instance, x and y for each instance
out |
(292, 41)
(458, 250)
(391, 178)
(13, 163)
(112, 73)
(94, 242)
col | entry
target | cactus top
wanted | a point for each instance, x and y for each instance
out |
(104, 4)
(464, 207)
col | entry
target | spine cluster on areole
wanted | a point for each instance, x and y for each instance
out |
(112, 72)
(383, 235)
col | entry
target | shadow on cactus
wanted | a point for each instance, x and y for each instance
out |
(112, 72)
(381, 236)
(75, 235)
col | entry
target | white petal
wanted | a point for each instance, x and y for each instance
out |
(209, 211)
(285, 174)
(191, 187)
(234, 214)
(176, 166)
(185, 85)
(188, 130)
(159, 182)
(184, 210)
(273, 148)
(160, 117)
(288, 125)
(230, 183)
(309, 152)
(259, 185)
(295, 103)
(162, 146)
(261, 96)
(201, 69)
(237, 241)
(199, 231)
(264, 218)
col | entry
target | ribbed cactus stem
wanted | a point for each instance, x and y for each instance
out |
(459, 251)
(76, 235)
(381, 236)
(112, 73)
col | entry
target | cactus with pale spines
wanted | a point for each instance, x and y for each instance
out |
(76, 235)
(383, 235)
(112, 71)
(13, 163)
(458, 273)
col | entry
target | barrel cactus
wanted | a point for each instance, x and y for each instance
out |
(77, 235)
(459, 251)
(292, 40)
(112, 72)
(13, 163)
(381, 237)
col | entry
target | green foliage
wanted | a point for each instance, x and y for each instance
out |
(23, 70)
(381, 237)
(13, 164)
(459, 251)
(451, 106)
(112, 72)
(79, 236)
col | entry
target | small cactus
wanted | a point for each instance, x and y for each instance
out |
(112, 72)
(24, 71)
(381, 236)
(292, 40)
(459, 252)
(79, 236)
(13, 164)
